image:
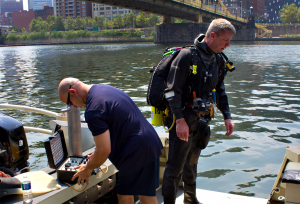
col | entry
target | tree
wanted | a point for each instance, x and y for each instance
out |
(79, 23)
(141, 19)
(288, 14)
(98, 21)
(34, 26)
(59, 23)
(70, 23)
(107, 24)
(126, 20)
(51, 22)
(118, 21)
(153, 19)
(88, 21)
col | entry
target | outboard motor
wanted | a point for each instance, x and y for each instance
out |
(14, 151)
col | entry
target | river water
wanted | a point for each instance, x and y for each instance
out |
(263, 92)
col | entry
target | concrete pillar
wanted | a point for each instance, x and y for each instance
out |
(198, 18)
(167, 20)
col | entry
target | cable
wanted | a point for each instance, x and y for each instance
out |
(171, 125)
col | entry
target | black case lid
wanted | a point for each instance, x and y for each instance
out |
(56, 149)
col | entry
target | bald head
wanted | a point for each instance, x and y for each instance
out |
(64, 86)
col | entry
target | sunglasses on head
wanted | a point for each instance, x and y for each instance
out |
(69, 103)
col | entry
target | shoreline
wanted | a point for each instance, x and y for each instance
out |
(111, 40)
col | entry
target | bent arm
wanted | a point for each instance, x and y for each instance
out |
(100, 155)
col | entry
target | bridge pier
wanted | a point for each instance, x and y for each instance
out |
(187, 32)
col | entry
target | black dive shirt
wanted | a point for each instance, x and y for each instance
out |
(183, 82)
(134, 142)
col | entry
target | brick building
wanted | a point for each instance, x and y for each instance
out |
(48, 11)
(72, 8)
(23, 18)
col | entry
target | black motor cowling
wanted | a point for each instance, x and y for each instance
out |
(14, 151)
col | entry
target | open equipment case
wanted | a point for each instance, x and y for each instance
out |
(58, 159)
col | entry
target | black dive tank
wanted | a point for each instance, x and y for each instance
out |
(14, 151)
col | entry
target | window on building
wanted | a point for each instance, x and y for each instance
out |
(83, 14)
(121, 12)
(83, 2)
(101, 12)
(101, 8)
(83, 10)
(114, 7)
(114, 12)
(108, 13)
(107, 7)
(83, 6)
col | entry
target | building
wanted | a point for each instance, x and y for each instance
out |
(109, 12)
(72, 8)
(10, 6)
(6, 19)
(258, 7)
(240, 8)
(22, 19)
(39, 4)
(47, 11)
(273, 7)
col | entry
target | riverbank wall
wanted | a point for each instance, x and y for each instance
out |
(79, 40)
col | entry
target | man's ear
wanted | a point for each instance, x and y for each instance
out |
(213, 35)
(72, 90)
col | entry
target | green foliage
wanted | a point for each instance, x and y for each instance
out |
(88, 21)
(118, 21)
(57, 34)
(70, 34)
(96, 35)
(39, 36)
(2, 38)
(141, 19)
(25, 36)
(70, 23)
(33, 27)
(14, 28)
(12, 37)
(109, 33)
(153, 19)
(107, 24)
(59, 23)
(79, 23)
(98, 21)
(289, 13)
(138, 33)
(152, 33)
(83, 33)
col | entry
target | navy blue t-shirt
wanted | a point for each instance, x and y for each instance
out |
(134, 142)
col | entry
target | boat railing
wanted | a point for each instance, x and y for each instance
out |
(58, 116)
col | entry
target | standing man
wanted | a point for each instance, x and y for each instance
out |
(190, 93)
(122, 134)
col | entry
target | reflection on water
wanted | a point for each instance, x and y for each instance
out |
(263, 94)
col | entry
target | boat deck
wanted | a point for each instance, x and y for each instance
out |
(212, 197)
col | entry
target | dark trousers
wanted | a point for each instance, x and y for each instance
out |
(182, 162)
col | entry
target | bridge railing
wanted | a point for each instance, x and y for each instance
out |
(213, 8)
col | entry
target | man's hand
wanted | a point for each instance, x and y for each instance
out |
(229, 127)
(182, 129)
(83, 174)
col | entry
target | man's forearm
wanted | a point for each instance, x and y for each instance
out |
(98, 158)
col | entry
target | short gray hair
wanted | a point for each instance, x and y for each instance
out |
(219, 26)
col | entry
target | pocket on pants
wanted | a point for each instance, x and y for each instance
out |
(202, 137)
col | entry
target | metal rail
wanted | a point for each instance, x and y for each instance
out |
(58, 116)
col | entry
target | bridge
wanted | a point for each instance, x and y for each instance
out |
(191, 10)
